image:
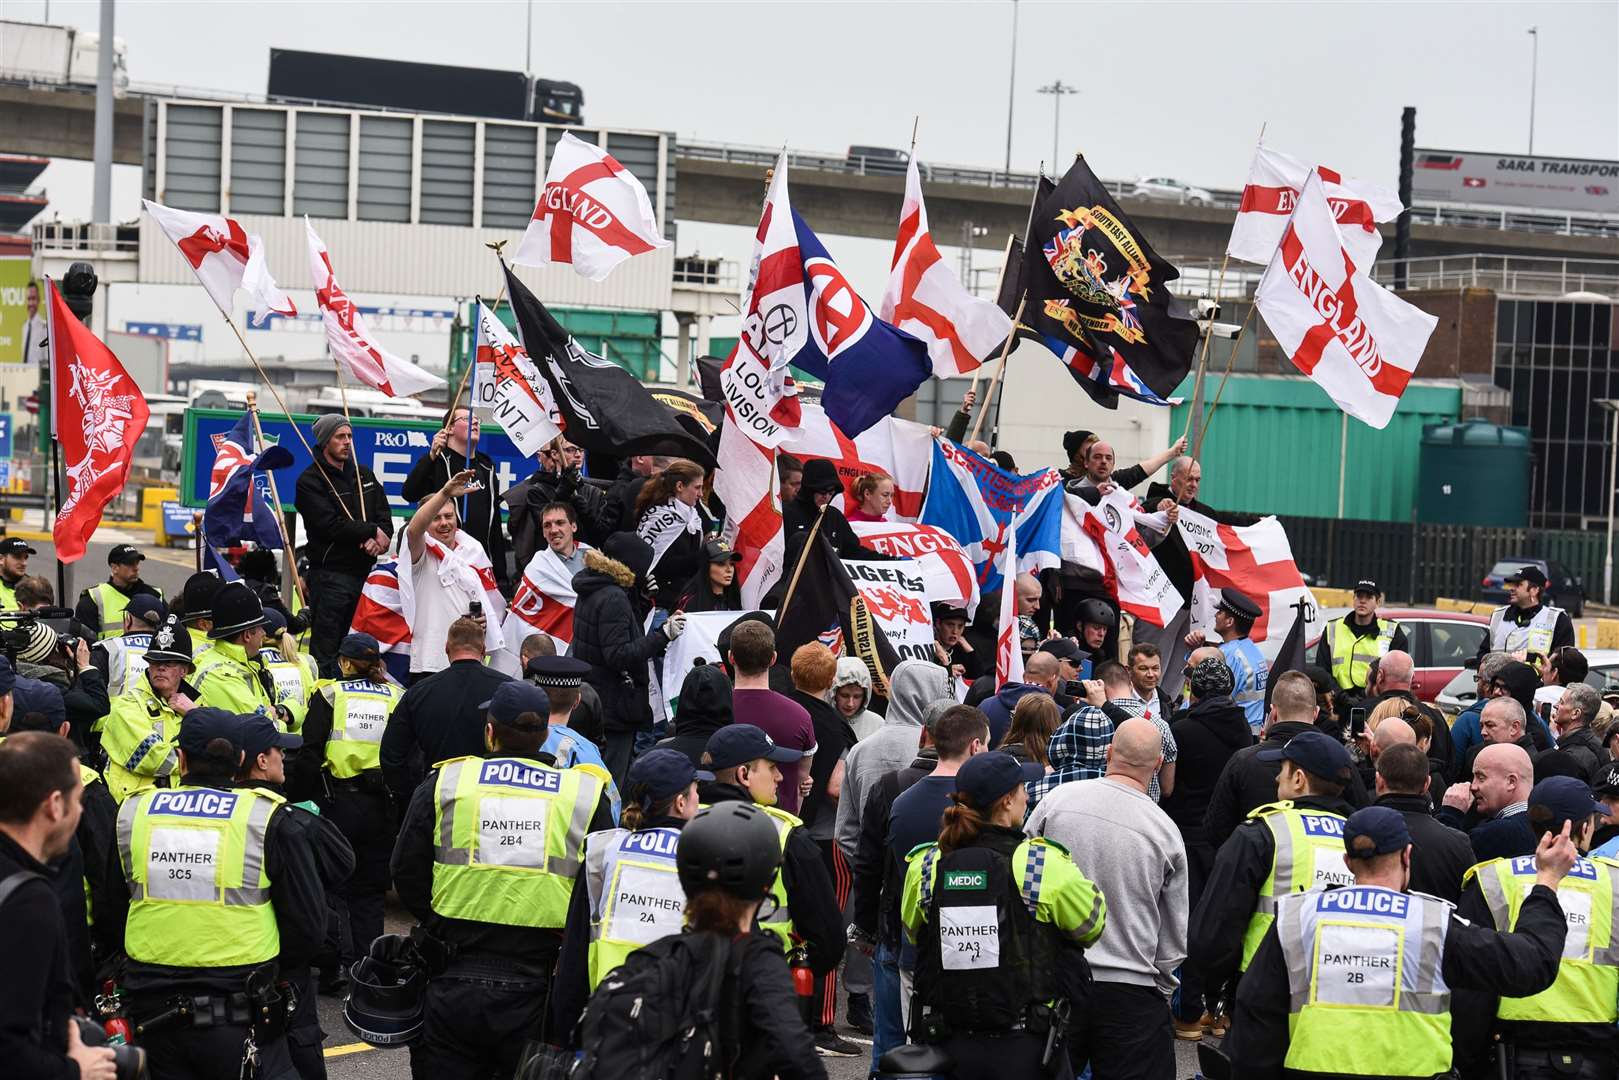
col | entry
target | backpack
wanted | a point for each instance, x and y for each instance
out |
(660, 1015)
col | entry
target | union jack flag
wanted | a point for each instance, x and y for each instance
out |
(232, 451)
(1098, 377)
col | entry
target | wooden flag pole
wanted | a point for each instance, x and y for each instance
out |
(280, 518)
(1236, 341)
(803, 557)
(343, 390)
(978, 421)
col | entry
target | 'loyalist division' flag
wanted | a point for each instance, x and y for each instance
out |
(979, 503)
(1094, 285)
(523, 406)
(604, 409)
(350, 339)
(238, 508)
(592, 213)
(224, 256)
(97, 414)
(924, 297)
(746, 483)
(1357, 340)
(826, 606)
(1274, 183)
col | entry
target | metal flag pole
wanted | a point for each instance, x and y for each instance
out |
(1236, 341)
(989, 396)
(287, 569)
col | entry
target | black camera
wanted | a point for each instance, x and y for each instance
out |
(128, 1061)
(17, 628)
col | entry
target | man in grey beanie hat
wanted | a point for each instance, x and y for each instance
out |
(348, 522)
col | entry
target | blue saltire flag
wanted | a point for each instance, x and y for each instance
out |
(238, 507)
(869, 366)
(977, 502)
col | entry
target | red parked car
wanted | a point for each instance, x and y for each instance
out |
(1440, 642)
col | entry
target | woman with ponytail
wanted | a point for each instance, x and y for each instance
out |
(873, 496)
(1000, 924)
(667, 518)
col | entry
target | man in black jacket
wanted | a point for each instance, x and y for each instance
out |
(481, 521)
(348, 523)
(608, 634)
(1248, 780)
(558, 479)
(814, 499)
(1440, 855)
(40, 794)
(703, 708)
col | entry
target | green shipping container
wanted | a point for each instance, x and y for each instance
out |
(1474, 473)
(628, 338)
(1272, 448)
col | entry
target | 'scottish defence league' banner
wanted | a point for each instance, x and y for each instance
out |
(895, 593)
(389, 447)
(1573, 185)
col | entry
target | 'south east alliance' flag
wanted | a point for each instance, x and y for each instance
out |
(1358, 341)
(592, 213)
(238, 505)
(1098, 296)
(981, 504)
(97, 414)
(224, 256)
(1275, 181)
(351, 340)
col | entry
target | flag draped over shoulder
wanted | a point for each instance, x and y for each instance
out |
(1098, 295)
(1255, 559)
(925, 299)
(979, 504)
(387, 607)
(543, 603)
(238, 504)
(1107, 538)
(1275, 181)
(900, 448)
(224, 256)
(604, 409)
(592, 213)
(97, 415)
(1358, 341)
(824, 605)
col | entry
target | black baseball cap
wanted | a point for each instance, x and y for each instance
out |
(512, 699)
(16, 545)
(203, 725)
(1531, 574)
(260, 733)
(1375, 830)
(718, 551)
(1567, 797)
(1316, 753)
(360, 646)
(985, 778)
(1063, 649)
(661, 774)
(1367, 586)
(124, 554)
(147, 608)
(737, 744)
(943, 609)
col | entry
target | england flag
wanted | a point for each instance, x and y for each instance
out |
(224, 256)
(522, 404)
(592, 213)
(543, 603)
(1275, 181)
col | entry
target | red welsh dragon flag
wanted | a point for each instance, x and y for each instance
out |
(98, 413)
(592, 213)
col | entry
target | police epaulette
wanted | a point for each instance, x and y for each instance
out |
(1270, 808)
(919, 849)
(1472, 871)
(438, 765)
(1049, 842)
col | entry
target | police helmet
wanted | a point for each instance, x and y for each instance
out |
(387, 988)
(1097, 612)
(730, 846)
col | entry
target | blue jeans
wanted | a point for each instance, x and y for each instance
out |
(888, 1030)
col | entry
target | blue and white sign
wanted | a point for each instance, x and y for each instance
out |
(176, 519)
(171, 331)
(5, 435)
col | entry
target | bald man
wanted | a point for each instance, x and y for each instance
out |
(1026, 592)
(1040, 676)
(1492, 807)
(1134, 854)
(1440, 855)
(1394, 671)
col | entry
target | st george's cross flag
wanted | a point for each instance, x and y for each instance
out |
(592, 213)
(900, 448)
(1008, 642)
(1107, 538)
(224, 256)
(1275, 181)
(1358, 341)
(926, 299)
(543, 603)
(522, 405)
(1256, 560)
(747, 484)
(350, 339)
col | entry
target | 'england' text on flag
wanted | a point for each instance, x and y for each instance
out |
(1275, 181)
(592, 213)
(1357, 340)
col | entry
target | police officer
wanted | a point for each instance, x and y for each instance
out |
(340, 767)
(100, 609)
(142, 730)
(1568, 1029)
(628, 893)
(1351, 643)
(1234, 618)
(1000, 924)
(121, 659)
(211, 886)
(197, 609)
(1096, 622)
(1357, 981)
(14, 552)
(486, 859)
(803, 909)
(1526, 626)
(1284, 847)
(231, 675)
(563, 678)
(292, 672)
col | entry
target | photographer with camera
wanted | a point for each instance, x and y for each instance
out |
(61, 665)
(40, 793)
(100, 610)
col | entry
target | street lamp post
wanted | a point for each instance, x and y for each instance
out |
(1534, 70)
(1611, 405)
(1057, 90)
(1011, 88)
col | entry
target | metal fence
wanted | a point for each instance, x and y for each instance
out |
(1419, 563)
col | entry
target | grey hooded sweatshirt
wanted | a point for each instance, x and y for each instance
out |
(852, 671)
(914, 685)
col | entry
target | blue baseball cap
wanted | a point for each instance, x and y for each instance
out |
(360, 646)
(737, 744)
(661, 774)
(147, 608)
(1316, 753)
(1375, 830)
(259, 733)
(1567, 797)
(985, 778)
(203, 725)
(512, 699)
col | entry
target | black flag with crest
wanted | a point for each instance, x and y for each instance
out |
(824, 605)
(605, 409)
(1098, 295)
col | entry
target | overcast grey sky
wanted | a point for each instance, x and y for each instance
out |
(1174, 88)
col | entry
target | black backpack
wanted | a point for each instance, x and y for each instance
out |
(660, 1015)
